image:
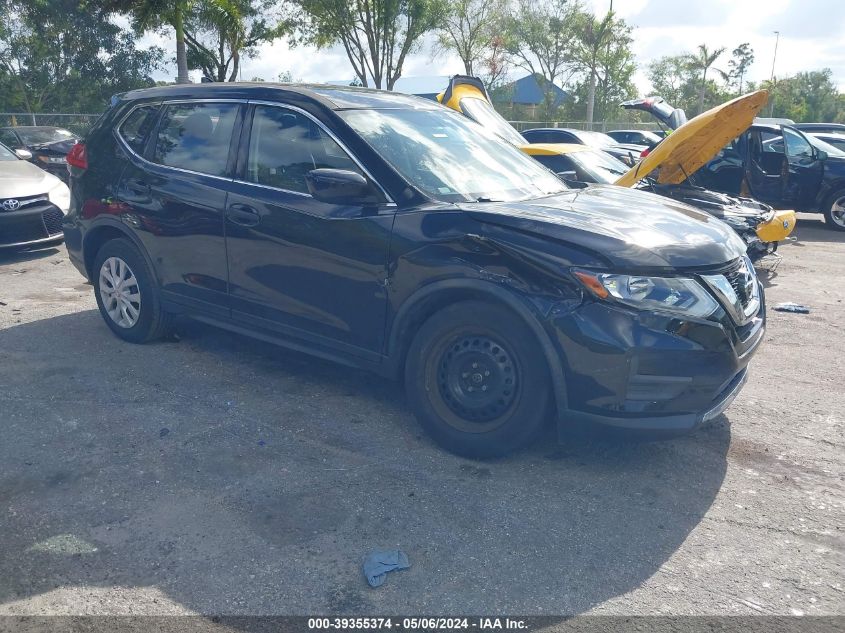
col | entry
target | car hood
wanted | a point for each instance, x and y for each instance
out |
(19, 178)
(697, 141)
(629, 229)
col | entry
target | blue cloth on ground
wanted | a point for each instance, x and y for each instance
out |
(379, 562)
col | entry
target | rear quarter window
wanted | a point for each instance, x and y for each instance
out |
(136, 127)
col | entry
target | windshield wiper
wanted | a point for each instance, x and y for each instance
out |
(484, 199)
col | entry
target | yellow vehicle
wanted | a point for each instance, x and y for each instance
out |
(664, 171)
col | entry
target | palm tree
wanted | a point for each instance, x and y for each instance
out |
(149, 14)
(702, 61)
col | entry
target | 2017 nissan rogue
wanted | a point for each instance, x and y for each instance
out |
(389, 233)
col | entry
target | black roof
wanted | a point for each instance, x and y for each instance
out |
(334, 97)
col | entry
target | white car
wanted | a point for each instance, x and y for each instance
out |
(32, 203)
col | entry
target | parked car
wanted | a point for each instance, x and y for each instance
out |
(834, 128)
(627, 153)
(836, 140)
(803, 173)
(32, 203)
(579, 165)
(48, 145)
(646, 138)
(389, 233)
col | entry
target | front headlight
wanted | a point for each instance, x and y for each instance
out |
(60, 196)
(679, 295)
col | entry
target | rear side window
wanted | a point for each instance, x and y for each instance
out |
(285, 145)
(137, 126)
(196, 136)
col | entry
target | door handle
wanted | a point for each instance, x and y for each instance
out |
(138, 186)
(243, 215)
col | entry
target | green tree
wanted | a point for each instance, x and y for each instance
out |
(377, 35)
(702, 61)
(741, 59)
(603, 53)
(148, 15)
(218, 33)
(470, 30)
(541, 39)
(66, 56)
(807, 97)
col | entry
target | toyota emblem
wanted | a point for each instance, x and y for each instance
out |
(11, 204)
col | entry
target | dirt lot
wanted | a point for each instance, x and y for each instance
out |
(218, 475)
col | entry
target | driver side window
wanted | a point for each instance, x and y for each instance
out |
(798, 149)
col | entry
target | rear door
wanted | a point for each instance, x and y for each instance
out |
(175, 188)
(299, 266)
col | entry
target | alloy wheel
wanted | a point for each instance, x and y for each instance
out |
(837, 211)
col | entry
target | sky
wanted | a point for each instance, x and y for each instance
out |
(810, 39)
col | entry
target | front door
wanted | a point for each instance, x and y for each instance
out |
(805, 170)
(308, 269)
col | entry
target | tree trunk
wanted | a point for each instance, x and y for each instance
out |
(181, 53)
(701, 92)
(236, 64)
(591, 99)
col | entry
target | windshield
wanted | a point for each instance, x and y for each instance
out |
(41, 135)
(483, 113)
(451, 158)
(602, 167)
(594, 139)
(6, 153)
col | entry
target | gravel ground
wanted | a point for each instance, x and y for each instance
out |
(215, 474)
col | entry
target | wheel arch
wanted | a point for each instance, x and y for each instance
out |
(103, 232)
(428, 300)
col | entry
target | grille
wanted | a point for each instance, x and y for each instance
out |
(738, 280)
(737, 290)
(40, 220)
(52, 221)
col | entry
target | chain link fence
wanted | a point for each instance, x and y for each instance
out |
(77, 123)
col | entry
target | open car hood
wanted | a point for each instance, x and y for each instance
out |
(697, 141)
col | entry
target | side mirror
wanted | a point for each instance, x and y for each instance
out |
(821, 154)
(340, 186)
(23, 154)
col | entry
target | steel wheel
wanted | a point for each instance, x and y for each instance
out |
(837, 212)
(478, 381)
(119, 292)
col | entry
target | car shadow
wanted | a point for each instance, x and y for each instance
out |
(13, 256)
(811, 227)
(231, 477)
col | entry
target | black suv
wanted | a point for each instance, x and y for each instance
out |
(390, 233)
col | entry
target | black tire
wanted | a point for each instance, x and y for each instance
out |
(834, 210)
(485, 349)
(152, 322)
